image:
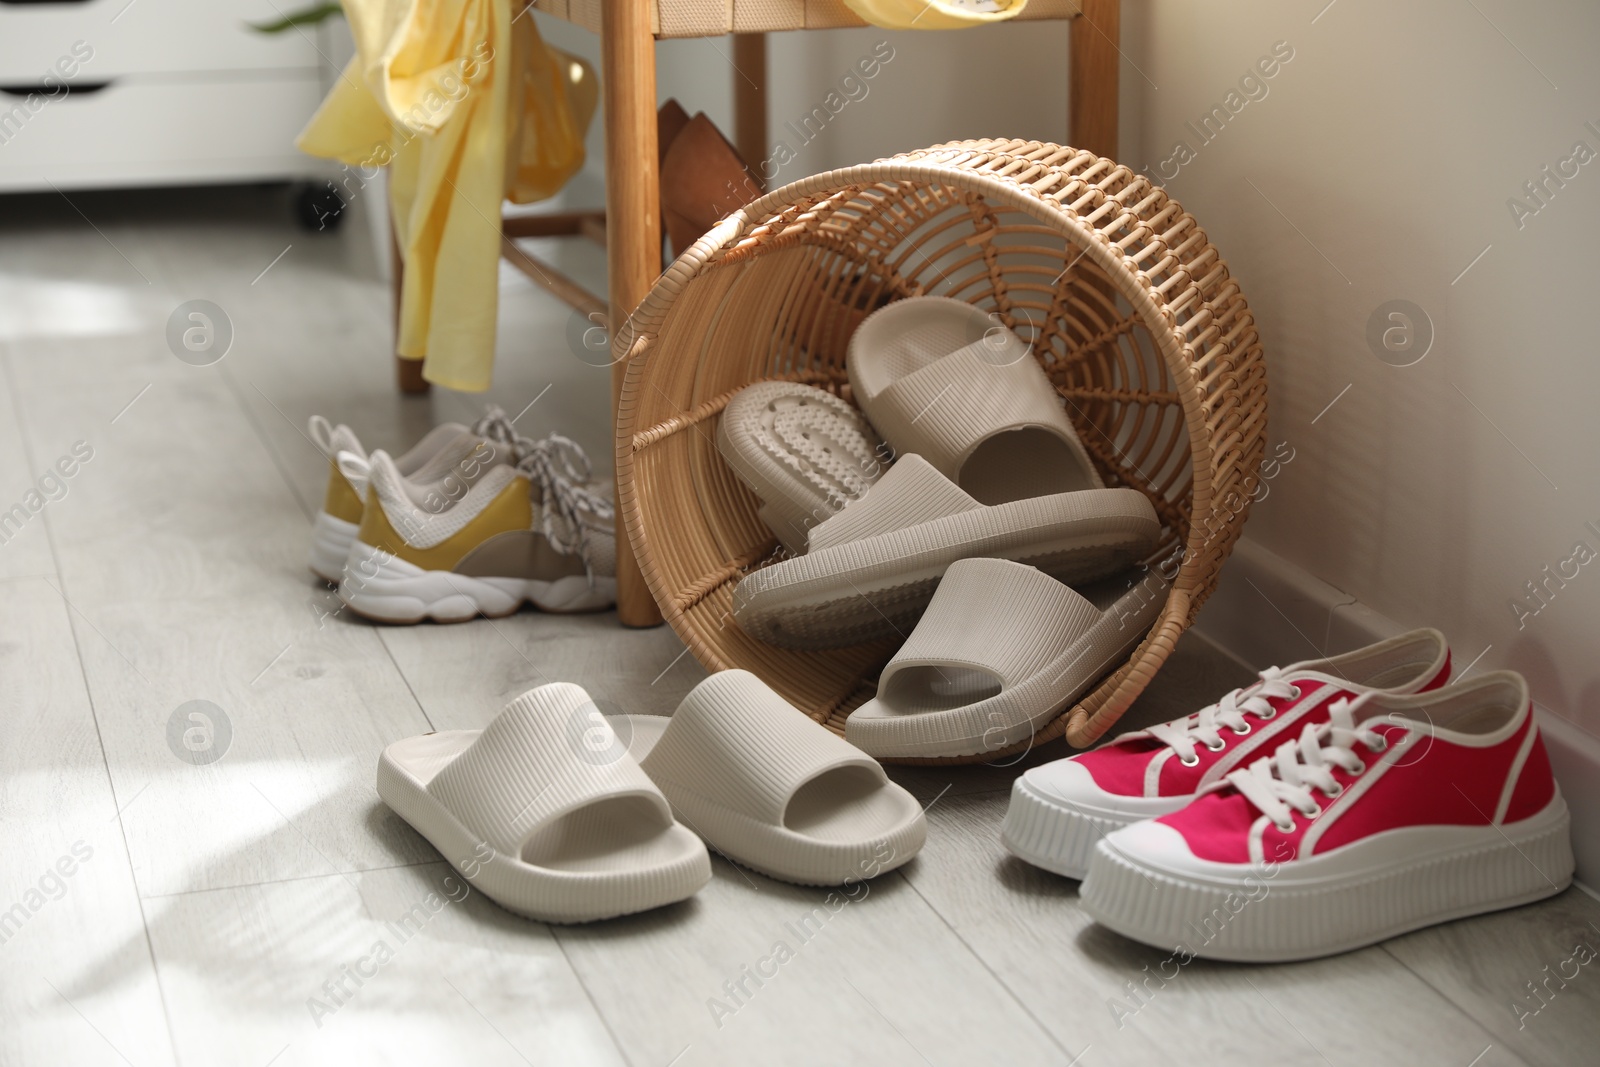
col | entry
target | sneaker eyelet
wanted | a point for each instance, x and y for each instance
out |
(1270, 713)
(1337, 791)
(1218, 747)
(1192, 761)
(1295, 689)
(1285, 827)
(1240, 733)
(1359, 768)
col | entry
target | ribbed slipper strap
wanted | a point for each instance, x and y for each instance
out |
(548, 753)
(992, 615)
(909, 493)
(950, 406)
(736, 742)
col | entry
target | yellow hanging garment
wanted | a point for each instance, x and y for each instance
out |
(466, 106)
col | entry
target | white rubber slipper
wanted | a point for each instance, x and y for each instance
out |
(942, 378)
(540, 818)
(773, 790)
(1001, 651)
(872, 568)
(803, 451)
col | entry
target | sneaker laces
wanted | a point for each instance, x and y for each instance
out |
(564, 500)
(567, 457)
(561, 469)
(1281, 783)
(1204, 726)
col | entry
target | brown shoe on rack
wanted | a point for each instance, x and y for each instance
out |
(703, 178)
(670, 121)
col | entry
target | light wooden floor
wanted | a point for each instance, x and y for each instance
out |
(215, 901)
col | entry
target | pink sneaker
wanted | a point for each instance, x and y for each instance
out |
(1059, 811)
(1397, 813)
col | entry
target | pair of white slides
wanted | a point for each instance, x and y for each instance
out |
(564, 815)
(963, 548)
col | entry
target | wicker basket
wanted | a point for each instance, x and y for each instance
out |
(1131, 311)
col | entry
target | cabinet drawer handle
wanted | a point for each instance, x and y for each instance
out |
(53, 91)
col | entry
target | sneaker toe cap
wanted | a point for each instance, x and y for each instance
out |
(1068, 783)
(1157, 847)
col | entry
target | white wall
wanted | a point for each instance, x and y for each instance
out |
(1378, 167)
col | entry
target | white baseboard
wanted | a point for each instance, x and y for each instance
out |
(1267, 611)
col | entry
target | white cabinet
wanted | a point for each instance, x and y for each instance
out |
(146, 92)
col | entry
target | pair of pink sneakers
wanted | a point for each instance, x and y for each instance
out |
(1329, 805)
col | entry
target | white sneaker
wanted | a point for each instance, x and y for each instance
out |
(438, 471)
(535, 531)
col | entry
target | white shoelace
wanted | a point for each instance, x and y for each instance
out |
(1281, 784)
(560, 467)
(568, 458)
(564, 500)
(1204, 726)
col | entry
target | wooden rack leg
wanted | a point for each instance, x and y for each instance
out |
(633, 222)
(407, 372)
(1092, 81)
(750, 98)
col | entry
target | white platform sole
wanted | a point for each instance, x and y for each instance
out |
(331, 539)
(1346, 899)
(377, 585)
(1059, 834)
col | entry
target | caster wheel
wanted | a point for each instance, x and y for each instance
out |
(318, 208)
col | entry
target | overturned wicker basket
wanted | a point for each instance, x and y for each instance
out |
(1130, 309)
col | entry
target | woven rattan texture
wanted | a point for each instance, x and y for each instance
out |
(1127, 306)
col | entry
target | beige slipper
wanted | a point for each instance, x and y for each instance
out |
(873, 567)
(941, 378)
(1000, 652)
(772, 789)
(539, 818)
(803, 451)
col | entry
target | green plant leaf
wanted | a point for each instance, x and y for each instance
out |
(308, 17)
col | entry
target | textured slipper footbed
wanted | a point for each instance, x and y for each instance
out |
(803, 451)
(879, 586)
(1001, 650)
(544, 812)
(771, 789)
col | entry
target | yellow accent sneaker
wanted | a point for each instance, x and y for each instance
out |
(439, 469)
(334, 527)
(534, 532)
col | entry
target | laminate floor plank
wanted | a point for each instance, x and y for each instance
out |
(216, 897)
(1114, 1001)
(755, 971)
(78, 983)
(1530, 976)
(400, 966)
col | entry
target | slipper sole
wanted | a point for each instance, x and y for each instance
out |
(878, 587)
